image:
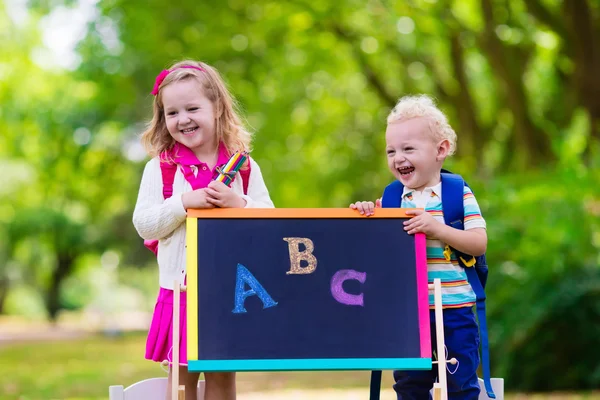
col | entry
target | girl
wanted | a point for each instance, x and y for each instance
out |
(195, 127)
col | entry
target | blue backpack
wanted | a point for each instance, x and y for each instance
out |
(475, 267)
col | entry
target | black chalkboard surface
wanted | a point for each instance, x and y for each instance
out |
(305, 289)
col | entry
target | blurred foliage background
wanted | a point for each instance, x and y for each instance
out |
(519, 80)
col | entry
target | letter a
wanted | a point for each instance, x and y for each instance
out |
(297, 256)
(337, 291)
(245, 277)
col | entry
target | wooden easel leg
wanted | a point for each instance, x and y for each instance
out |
(175, 389)
(437, 391)
(439, 334)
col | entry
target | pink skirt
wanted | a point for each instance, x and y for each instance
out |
(159, 345)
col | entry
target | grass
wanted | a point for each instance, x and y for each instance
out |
(84, 368)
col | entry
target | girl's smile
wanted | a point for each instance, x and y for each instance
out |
(189, 131)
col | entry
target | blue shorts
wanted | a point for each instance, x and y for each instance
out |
(461, 335)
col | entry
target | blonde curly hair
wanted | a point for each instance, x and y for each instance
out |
(229, 127)
(423, 106)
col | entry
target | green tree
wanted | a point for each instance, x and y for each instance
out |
(67, 186)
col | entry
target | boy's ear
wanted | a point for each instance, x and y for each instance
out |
(443, 150)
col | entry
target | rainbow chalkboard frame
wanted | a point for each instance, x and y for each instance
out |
(421, 359)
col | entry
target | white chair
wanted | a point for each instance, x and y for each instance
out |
(149, 389)
(156, 388)
(497, 385)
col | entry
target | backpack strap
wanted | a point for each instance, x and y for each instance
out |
(453, 187)
(392, 195)
(168, 171)
(245, 174)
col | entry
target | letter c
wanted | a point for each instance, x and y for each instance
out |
(337, 291)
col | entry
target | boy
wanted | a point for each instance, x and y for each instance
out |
(418, 140)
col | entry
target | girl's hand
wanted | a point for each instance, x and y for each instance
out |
(423, 222)
(196, 199)
(366, 207)
(220, 195)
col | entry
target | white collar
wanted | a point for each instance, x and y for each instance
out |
(437, 189)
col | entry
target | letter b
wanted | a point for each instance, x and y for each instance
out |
(297, 256)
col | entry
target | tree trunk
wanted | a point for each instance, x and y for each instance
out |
(580, 34)
(527, 139)
(63, 268)
(4, 286)
(586, 54)
(469, 127)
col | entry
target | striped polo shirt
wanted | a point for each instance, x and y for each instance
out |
(456, 291)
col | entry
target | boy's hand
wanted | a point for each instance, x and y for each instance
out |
(422, 222)
(196, 199)
(366, 207)
(220, 195)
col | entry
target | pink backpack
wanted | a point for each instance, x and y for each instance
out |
(168, 171)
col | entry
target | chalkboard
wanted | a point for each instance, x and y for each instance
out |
(305, 289)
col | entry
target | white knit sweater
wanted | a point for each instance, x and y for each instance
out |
(157, 218)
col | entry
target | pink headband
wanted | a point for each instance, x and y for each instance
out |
(161, 77)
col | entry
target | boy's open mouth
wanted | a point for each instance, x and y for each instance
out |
(405, 171)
